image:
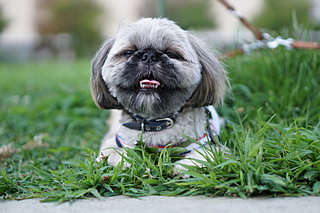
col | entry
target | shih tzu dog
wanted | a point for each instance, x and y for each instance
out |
(163, 84)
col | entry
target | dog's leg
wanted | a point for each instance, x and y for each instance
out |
(111, 153)
(188, 160)
(199, 154)
(113, 123)
(109, 150)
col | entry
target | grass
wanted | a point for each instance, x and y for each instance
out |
(50, 133)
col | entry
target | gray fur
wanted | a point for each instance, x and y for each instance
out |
(99, 90)
(212, 87)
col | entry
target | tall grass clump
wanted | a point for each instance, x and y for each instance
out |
(51, 131)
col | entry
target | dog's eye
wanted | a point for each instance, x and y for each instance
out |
(173, 55)
(128, 53)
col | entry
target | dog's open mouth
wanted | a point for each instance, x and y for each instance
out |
(149, 84)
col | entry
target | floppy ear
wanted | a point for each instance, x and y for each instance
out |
(214, 82)
(99, 90)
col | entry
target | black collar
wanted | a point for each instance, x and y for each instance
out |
(153, 125)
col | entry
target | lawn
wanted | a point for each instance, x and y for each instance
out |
(50, 132)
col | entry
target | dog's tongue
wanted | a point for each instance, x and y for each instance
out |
(149, 83)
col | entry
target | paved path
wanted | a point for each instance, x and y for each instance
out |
(155, 204)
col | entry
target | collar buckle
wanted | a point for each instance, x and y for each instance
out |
(169, 122)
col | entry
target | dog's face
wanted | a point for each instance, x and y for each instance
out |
(153, 68)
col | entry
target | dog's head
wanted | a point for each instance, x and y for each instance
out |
(153, 68)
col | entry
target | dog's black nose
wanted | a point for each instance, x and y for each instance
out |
(149, 55)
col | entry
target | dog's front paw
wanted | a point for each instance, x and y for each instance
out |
(179, 169)
(193, 159)
(112, 156)
(181, 166)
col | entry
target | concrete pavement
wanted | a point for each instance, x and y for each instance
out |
(154, 204)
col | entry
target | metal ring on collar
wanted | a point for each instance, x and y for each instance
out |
(169, 122)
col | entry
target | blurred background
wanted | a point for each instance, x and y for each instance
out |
(68, 29)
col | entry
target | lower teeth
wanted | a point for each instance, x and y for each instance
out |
(148, 86)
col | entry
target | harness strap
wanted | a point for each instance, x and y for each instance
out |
(189, 145)
(118, 142)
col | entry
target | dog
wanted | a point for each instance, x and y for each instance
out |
(161, 84)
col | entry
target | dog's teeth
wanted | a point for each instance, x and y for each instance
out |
(154, 86)
(149, 84)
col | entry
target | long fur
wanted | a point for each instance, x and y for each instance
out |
(99, 90)
(213, 84)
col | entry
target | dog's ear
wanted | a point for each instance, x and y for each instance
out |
(214, 82)
(99, 90)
